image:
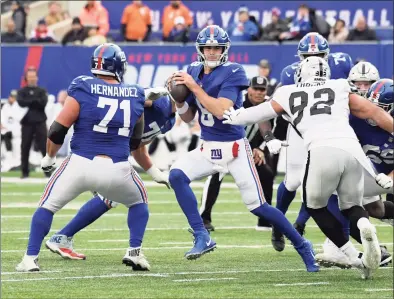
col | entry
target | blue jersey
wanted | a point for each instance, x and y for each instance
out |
(159, 119)
(227, 81)
(107, 116)
(376, 142)
(340, 66)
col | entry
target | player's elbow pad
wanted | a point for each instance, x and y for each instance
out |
(57, 133)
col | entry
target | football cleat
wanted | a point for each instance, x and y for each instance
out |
(136, 259)
(308, 256)
(263, 225)
(332, 256)
(386, 257)
(277, 239)
(372, 252)
(28, 264)
(202, 245)
(208, 226)
(63, 246)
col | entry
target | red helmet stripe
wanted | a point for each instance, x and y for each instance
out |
(312, 39)
(375, 93)
(100, 57)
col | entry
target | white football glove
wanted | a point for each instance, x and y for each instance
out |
(230, 116)
(275, 145)
(384, 181)
(48, 163)
(158, 176)
(155, 93)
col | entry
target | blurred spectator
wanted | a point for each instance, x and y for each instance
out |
(339, 32)
(33, 122)
(11, 36)
(77, 33)
(272, 31)
(94, 38)
(19, 16)
(171, 11)
(361, 31)
(265, 71)
(136, 22)
(243, 29)
(41, 34)
(94, 14)
(10, 131)
(55, 14)
(179, 33)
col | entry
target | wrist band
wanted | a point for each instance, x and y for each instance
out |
(183, 109)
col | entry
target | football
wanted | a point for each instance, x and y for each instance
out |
(179, 92)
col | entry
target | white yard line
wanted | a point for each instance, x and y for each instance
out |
(301, 284)
(13, 273)
(163, 229)
(378, 290)
(114, 275)
(204, 279)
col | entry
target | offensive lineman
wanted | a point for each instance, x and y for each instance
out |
(108, 121)
(216, 85)
(319, 109)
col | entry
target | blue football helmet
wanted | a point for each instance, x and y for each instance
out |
(381, 93)
(213, 35)
(313, 44)
(109, 60)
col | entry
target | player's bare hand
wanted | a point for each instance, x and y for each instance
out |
(275, 145)
(48, 163)
(184, 78)
(258, 156)
(384, 181)
(231, 115)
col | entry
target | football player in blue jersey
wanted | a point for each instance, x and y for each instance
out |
(108, 120)
(216, 85)
(159, 118)
(312, 44)
(378, 145)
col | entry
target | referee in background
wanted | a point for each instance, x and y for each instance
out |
(256, 95)
(33, 123)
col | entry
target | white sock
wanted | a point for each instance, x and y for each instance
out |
(363, 222)
(350, 251)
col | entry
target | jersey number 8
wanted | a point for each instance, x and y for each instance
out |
(314, 110)
(113, 107)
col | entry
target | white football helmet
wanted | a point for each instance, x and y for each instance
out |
(312, 69)
(363, 75)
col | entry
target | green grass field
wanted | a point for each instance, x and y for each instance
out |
(243, 266)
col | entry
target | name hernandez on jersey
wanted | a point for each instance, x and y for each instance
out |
(340, 66)
(227, 81)
(319, 111)
(107, 116)
(376, 143)
(159, 119)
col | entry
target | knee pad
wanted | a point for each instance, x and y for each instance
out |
(176, 176)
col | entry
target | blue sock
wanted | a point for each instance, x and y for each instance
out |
(186, 199)
(137, 220)
(333, 207)
(87, 214)
(284, 198)
(280, 222)
(303, 216)
(39, 228)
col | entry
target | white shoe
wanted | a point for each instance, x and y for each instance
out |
(372, 253)
(332, 256)
(135, 259)
(63, 246)
(29, 263)
(366, 273)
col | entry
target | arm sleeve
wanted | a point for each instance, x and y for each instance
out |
(256, 114)
(42, 101)
(22, 100)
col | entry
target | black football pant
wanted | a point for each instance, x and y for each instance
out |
(266, 179)
(38, 132)
(7, 138)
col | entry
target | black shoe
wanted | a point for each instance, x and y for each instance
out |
(277, 240)
(208, 226)
(386, 257)
(263, 225)
(299, 228)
